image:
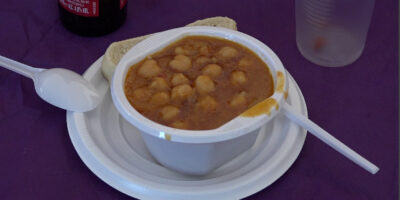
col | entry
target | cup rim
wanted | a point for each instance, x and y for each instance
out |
(238, 126)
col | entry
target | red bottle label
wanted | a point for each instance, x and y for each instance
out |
(86, 8)
(122, 3)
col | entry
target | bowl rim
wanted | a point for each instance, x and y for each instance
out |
(236, 127)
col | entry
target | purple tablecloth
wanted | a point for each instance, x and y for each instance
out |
(358, 103)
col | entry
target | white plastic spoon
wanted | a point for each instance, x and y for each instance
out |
(60, 87)
(321, 134)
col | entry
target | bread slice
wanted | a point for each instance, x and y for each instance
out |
(116, 50)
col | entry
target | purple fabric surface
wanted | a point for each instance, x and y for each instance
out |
(358, 103)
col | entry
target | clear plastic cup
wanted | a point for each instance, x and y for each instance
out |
(332, 33)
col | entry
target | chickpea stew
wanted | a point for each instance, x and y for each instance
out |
(198, 83)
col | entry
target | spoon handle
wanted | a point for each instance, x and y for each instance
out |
(18, 67)
(321, 134)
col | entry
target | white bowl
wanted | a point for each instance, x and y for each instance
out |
(198, 152)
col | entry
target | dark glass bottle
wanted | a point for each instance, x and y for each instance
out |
(92, 17)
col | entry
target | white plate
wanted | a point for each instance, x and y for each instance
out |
(122, 161)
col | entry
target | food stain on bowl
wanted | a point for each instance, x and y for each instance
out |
(280, 82)
(165, 136)
(263, 107)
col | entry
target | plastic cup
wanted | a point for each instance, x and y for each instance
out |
(332, 33)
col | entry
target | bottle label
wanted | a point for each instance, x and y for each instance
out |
(86, 8)
(122, 3)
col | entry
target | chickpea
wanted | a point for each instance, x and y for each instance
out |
(159, 99)
(181, 92)
(159, 84)
(226, 53)
(204, 50)
(238, 78)
(202, 60)
(180, 63)
(212, 70)
(244, 62)
(149, 68)
(163, 62)
(141, 94)
(179, 50)
(179, 124)
(204, 84)
(169, 112)
(239, 100)
(179, 79)
(188, 49)
(206, 103)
